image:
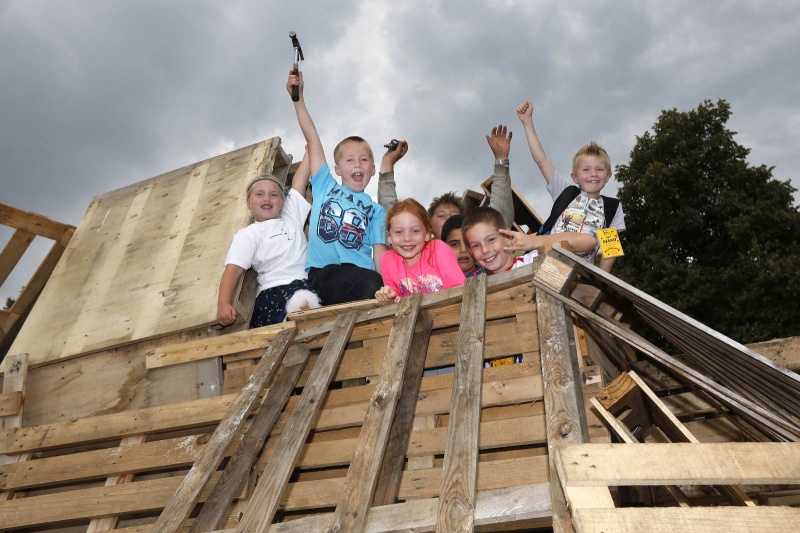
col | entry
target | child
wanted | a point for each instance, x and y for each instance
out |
(482, 229)
(346, 234)
(417, 262)
(275, 247)
(578, 212)
(454, 238)
(445, 206)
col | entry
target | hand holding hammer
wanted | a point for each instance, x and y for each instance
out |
(298, 55)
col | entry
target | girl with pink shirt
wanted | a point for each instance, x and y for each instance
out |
(417, 261)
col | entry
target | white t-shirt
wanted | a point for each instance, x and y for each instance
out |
(275, 249)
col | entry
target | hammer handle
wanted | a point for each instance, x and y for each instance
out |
(295, 88)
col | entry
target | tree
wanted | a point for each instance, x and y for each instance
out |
(707, 233)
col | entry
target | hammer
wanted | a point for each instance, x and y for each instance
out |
(298, 55)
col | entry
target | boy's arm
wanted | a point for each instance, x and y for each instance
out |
(301, 175)
(316, 155)
(525, 114)
(580, 243)
(387, 189)
(377, 253)
(226, 314)
(501, 199)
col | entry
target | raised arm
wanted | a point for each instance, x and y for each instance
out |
(301, 175)
(501, 199)
(387, 188)
(316, 155)
(525, 114)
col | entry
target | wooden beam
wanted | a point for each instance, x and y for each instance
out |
(264, 502)
(13, 251)
(14, 380)
(213, 512)
(10, 403)
(456, 510)
(689, 520)
(756, 463)
(562, 395)
(187, 494)
(362, 476)
(397, 447)
(31, 222)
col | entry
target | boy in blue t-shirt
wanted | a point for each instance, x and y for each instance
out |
(347, 230)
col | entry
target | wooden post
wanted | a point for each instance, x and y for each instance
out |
(14, 381)
(456, 510)
(362, 476)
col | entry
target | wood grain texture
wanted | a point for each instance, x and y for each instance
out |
(213, 512)
(456, 510)
(184, 499)
(362, 476)
(261, 508)
(562, 395)
(145, 260)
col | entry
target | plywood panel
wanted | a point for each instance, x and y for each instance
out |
(146, 260)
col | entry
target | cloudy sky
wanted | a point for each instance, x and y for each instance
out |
(100, 94)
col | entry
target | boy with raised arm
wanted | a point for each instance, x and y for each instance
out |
(347, 230)
(579, 210)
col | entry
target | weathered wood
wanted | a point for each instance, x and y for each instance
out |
(362, 476)
(14, 381)
(10, 403)
(689, 520)
(562, 395)
(13, 252)
(32, 222)
(757, 463)
(785, 352)
(392, 467)
(213, 512)
(456, 510)
(108, 523)
(493, 506)
(240, 341)
(264, 502)
(187, 494)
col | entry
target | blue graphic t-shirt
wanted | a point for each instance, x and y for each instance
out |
(344, 224)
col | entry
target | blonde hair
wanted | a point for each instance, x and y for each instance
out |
(337, 152)
(591, 149)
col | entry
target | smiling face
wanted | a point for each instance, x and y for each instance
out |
(355, 165)
(440, 215)
(408, 236)
(455, 240)
(486, 244)
(265, 200)
(591, 174)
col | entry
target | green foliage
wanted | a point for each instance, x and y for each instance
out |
(707, 233)
(9, 303)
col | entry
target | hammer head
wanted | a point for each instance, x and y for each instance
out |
(298, 52)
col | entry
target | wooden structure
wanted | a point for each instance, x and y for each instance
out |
(372, 416)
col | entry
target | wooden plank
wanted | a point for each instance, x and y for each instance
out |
(31, 222)
(108, 523)
(14, 380)
(362, 476)
(689, 520)
(785, 352)
(555, 274)
(262, 505)
(145, 261)
(456, 510)
(213, 512)
(757, 463)
(13, 251)
(562, 395)
(493, 506)
(10, 403)
(392, 466)
(240, 341)
(187, 494)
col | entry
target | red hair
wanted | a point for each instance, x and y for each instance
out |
(409, 205)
